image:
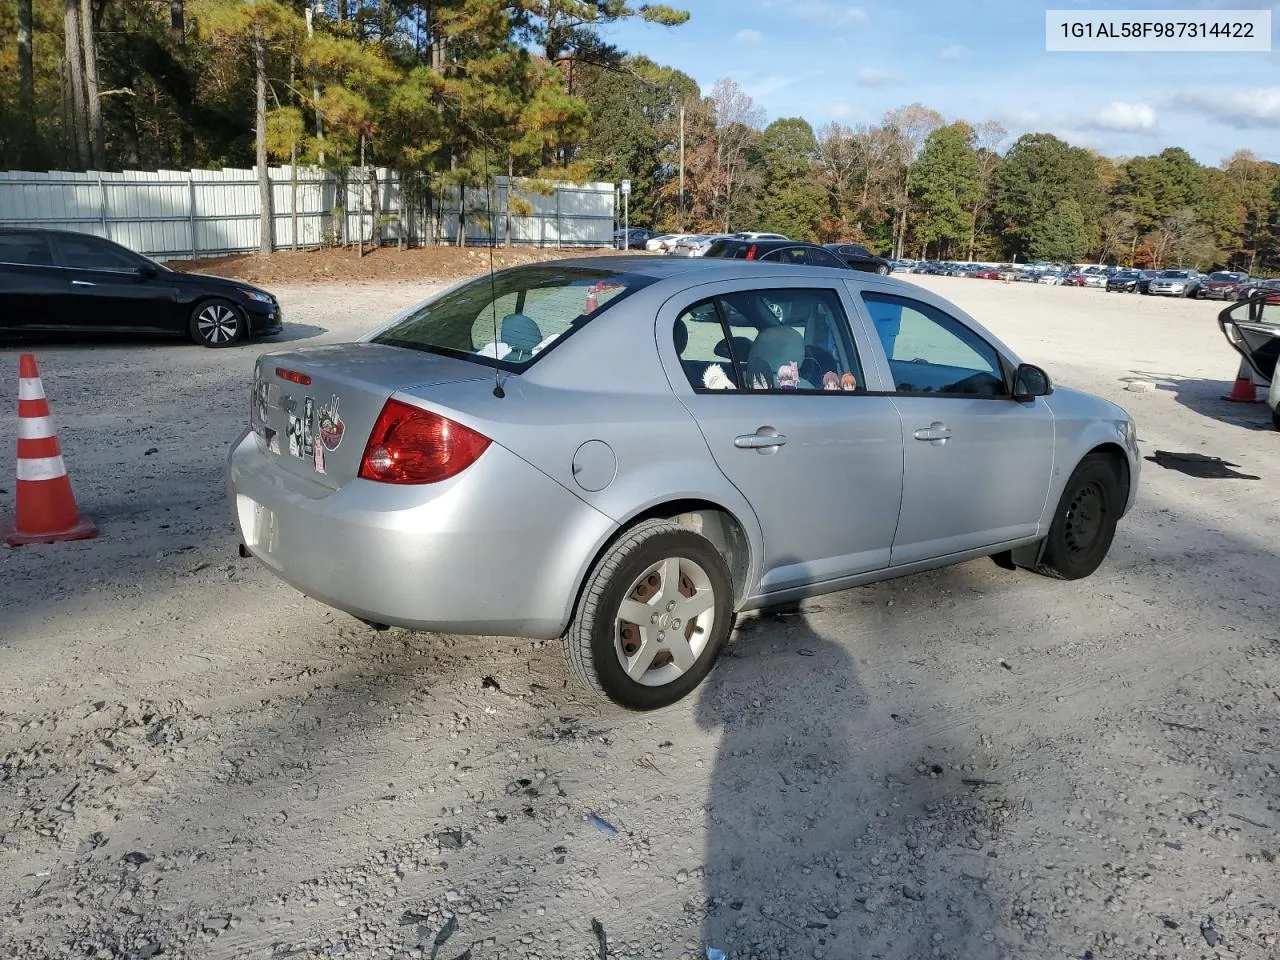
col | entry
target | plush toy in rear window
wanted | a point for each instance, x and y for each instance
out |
(714, 378)
(830, 380)
(789, 376)
(848, 382)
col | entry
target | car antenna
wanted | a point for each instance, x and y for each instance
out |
(493, 289)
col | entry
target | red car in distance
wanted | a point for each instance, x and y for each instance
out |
(987, 273)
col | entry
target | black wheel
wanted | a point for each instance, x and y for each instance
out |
(217, 323)
(1085, 522)
(882, 270)
(654, 616)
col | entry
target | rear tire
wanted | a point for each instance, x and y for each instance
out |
(1085, 522)
(882, 270)
(217, 323)
(630, 642)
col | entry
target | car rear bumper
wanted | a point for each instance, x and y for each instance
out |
(497, 550)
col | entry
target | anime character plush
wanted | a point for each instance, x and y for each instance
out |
(789, 376)
(830, 380)
(714, 378)
(848, 382)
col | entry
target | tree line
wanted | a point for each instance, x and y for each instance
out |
(451, 92)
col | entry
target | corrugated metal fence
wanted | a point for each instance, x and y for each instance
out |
(173, 214)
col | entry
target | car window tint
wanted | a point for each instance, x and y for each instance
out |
(932, 352)
(90, 253)
(787, 255)
(821, 258)
(703, 348)
(29, 249)
(790, 339)
(509, 319)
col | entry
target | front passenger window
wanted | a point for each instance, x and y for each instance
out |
(932, 352)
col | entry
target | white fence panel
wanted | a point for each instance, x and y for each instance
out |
(170, 214)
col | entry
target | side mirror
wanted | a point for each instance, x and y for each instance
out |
(1029, 382)
(147, 271)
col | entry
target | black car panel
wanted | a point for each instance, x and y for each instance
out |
(54, 280)
(33, 288)
(859, 257)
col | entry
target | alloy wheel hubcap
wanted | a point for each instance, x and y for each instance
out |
(664, 621)
(217, 324)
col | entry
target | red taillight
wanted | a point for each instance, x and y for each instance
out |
(751, 252)
(293, 376)
(411, 445)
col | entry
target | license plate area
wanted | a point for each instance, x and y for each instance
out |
(259, 525)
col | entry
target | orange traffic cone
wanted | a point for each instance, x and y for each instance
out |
(46, 510)
(1243, 390)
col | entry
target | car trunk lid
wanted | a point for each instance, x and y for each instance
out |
(313, 409)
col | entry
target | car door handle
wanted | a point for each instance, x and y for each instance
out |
(760, 440)
(83, 283)
(936, 432)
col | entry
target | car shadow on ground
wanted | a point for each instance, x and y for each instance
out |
(1205, 397)
(819, 841)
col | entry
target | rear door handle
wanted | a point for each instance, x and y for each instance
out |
(936, 433)
(766, 440)
(83, 283)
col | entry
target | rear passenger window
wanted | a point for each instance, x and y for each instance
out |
(28, 249)
(766, 340)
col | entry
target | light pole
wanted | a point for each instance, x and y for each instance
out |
(626, 215)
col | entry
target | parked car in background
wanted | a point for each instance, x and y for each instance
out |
(1009, 272)
(59, 280)
(775, 251)
(1096, 279)
(1030, 275)
(1129, 281)
(903, 266)
(696, 245)
(747, 235)
(1222, 285)
(633, 238)
(1175, 283)
(987, 273)
(860, 258)
(1256, 285)
(662, 242)
(1073, 279)
(1051, 278)
(678, 442)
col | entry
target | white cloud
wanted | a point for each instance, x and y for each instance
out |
(748, 36)
(759, 87)
(1242, 109)
(955, 52)
(823, 11)
(1124, 117)
(874, 77)
(842, 111)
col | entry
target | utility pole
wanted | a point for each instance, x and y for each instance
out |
(680, 212)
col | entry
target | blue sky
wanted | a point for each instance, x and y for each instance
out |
(976, 60)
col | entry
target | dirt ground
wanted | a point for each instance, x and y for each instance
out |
(197, 761)
(385, 263)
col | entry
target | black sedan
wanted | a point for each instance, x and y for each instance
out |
(775, 251)
(58, 280)
(860, 258)
(1130, 281)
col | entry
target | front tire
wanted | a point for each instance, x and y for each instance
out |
(882, 270)
(655, 614)
(1085, 522)
(217, 323)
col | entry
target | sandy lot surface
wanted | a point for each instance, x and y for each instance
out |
(196, 761)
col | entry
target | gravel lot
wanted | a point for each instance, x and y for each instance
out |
(196, 761)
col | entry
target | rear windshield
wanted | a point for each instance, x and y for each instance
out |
(510, 319)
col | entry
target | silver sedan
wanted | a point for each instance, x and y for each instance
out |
(626, 452)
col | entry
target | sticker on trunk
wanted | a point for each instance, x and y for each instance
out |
(308, 413)
(331, 425)
(296, 432)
